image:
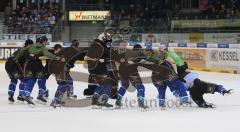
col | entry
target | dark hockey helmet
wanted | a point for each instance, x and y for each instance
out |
(42, 39)
(106, 39)
(28, 42)
(185, 65)
(57, 46)
(75, 43)
(137, 47)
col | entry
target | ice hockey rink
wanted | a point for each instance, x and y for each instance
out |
(42, 118)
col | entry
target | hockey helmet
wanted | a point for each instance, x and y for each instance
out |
(28, 42)
(137, 46)
(75, 43)
(106, 39)
(148, 46)
(42, 39)
(57, 46)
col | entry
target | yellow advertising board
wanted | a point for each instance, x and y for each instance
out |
(88, 15)
(196, 37)
(196, 58)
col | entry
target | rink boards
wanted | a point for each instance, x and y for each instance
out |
(200, 56)
(222, 57)
(210, 57)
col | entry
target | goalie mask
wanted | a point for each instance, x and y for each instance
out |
(106, 39)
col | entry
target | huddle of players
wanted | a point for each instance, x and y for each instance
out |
(101, 59)
(26, 66)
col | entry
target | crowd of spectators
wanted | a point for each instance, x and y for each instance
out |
(223, 8)
(155, 15)
(30, 19)
(152, 14)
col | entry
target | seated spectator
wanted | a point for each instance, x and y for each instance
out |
(24, 20)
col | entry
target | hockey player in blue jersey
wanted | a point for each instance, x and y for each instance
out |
(197, 88)
(15, 72)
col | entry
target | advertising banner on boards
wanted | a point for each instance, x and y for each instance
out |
(165, 38)
(6, 52)
(22, 37)
(88, 15)
(226, 59)
(218, 38)
(194, 57)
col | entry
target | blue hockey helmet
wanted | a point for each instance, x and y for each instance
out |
(148, 46)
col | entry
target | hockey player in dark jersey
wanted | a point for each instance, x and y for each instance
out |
(56, 48)
(70, 91)
(33, 68)
(173, 82)
(41, 77)
(112, 72)
(15, 72)
(197, 87)
(98, 57)
(62, 72)
(128, 72)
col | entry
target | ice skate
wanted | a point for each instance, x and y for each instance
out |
(118, 102)
(11, 99)
(184, 101)
(20, 98)
(141, 104)
(162, 106)
(56, 103)
(105, 105)
(95, 103)
(29, 100)
(70, 95)
(46, 94)
(41, 99)
(227, 92)
(207, 105)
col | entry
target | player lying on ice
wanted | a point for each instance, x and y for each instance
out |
(197, 88)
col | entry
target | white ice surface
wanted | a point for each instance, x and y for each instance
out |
(22, 118)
